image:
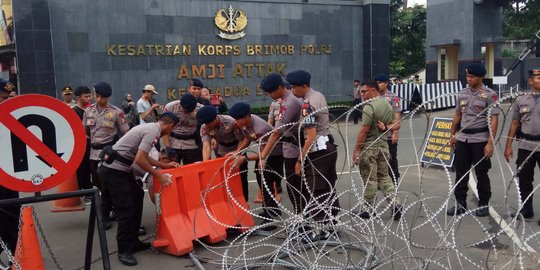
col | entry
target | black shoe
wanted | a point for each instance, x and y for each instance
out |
(482, 211)
(364, 215)
(140, 246)
(127, 259)
(112, 216)
(107, 224)
(142, 231)
(397, 212)
(526, 214)
(456, 210)
(310, 237)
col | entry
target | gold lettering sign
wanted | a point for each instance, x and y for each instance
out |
(231, 23)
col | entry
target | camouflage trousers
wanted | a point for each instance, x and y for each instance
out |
(373, 166)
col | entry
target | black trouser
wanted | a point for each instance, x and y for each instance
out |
(9, 220)
(278, 168)
(295, 189)
(526, 176)
(188, 156)
(271, 176)
(243, 177)
(106, 204)
(356, 113)
(466, 155)
(83, 172)
(321, 176)
(127, 198)
(393, 169)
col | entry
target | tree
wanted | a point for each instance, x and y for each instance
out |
(407, 38)
(521, 18)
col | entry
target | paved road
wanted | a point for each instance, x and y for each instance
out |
(424, 237)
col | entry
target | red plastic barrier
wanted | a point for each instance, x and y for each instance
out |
(183, 215)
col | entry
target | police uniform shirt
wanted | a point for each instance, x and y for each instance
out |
(356, 92)
(395, 102)
(225, 133)
(274, 109)
(314, 101)
(186, 126)
(527, 112)
(471, 102)
(142, 137)
(289, 112)
(104, 126)
(259, 129)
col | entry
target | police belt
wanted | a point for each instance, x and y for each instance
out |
(183, 137)
(475, 130)
(530, 137)
(229, 144)
(293, 140)
(99, 146)
(124, 160)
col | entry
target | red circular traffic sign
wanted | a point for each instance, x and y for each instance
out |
(43, 141)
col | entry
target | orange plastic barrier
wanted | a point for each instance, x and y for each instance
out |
(183, 215)
(28, 254)
(69, 204)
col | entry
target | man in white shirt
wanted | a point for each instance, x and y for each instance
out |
(146, 108)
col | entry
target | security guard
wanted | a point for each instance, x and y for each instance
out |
(474, 143)
(393, 132)
(357, 99)
(526, 116)
(223, 129)
(183, 138)
(254, 128)
(9, 215)
(105, 124)
(318, 154)
(286, 132)
(126, 192)
(371, 150)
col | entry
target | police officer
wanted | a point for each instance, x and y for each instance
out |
(273, 113)
(84, 96)
(9, 215)
(67, 96)
(183, 138)
(393, 128)
(318, 155)
(254, 128)
(105, 124)
(357, 99)
(223, 129)
(526, 117)
(371, 150)
(126, 192)
(474, 143)
(195, 89)
(286, 131)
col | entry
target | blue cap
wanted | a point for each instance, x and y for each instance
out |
(535, 71)
(271, 83)
(206, 114)
(103, 89)
(188, 102)
(381, 78)
(240, 110)
(197, 82)
(476, 69)
(170, 115)
(299, 78)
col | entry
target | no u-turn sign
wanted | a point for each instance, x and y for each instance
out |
(42, 143)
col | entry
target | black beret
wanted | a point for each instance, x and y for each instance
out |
(103, 89)
(535, 71)
(197, 82)
(299, 77)
(381, 78)
(476, 69)
(3, 84)
(240, 110)
(188, 102)
(81, 90)
(271, 83)
(170, 115)
(206, 114)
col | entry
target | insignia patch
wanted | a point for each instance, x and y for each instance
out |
(524, 109)
(90, 122)
(109, 115)
(463, 102)
(494, 97)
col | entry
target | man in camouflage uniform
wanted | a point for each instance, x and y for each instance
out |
(371, 150)
(526, 117)
(105, 124)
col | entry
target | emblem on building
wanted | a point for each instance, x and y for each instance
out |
(231, 23)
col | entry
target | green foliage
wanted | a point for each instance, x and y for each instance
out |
(521, 18)
(408, 35)
(507, 53)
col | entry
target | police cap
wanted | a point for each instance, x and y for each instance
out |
(476, 69)
(299, 78)
(206, 114)
(67, 90)
(188, 102)
(535, 71)
(240, 110)
(381, 78)
(103, 89)
(197, 82)
(271, 83)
